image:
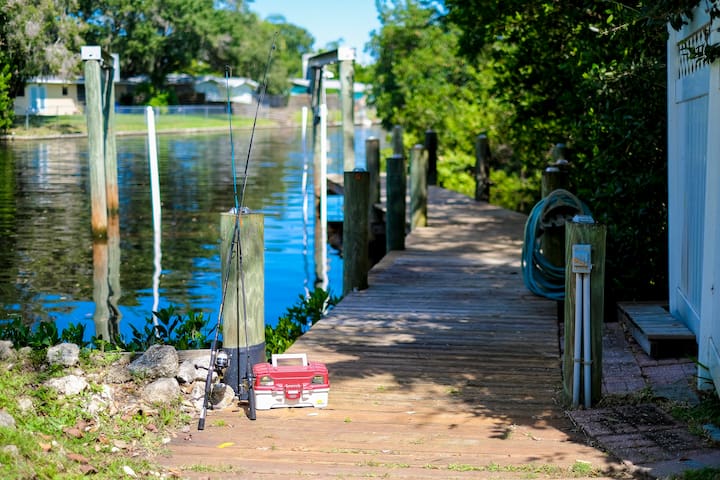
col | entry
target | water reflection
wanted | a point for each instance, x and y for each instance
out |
(51, 270)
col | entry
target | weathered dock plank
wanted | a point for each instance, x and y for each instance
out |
(446, 367)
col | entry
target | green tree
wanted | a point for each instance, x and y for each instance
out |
(153, 37)
(38, 37)
(421, 83)
(6, 101)
(591, 74)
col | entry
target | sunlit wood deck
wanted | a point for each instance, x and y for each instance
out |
(446, 367)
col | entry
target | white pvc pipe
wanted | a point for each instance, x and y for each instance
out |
(305, 195)
(156, 209)
(577, 356)
(323, 192)
(586, 340)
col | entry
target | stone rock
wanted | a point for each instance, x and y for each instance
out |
(7, 353)
(11, 450)
(65, 354)
(222, 396)
(68, 385)
(193, 369)
(117, 373)
(162, 390)
(101, 402)
(25, 404)
(197, 396)
(6, 420)
(158, 361)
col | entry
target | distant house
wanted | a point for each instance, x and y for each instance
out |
(51, 96)
(56, 96)
(215, 89)
(694, 190)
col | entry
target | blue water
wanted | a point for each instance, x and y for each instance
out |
(47, 271)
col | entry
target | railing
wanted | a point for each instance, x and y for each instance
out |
(206, 110)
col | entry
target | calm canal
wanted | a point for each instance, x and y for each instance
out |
(46, 248)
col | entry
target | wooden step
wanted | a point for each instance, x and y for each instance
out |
(658, 333)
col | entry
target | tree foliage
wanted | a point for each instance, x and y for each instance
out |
(421, 82)
(153, 38)
(589, 74)
(38, 37)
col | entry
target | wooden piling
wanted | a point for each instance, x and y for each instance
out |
(347, 76)
(244, 302)
(418, 187)
(372, 164)
(395, 215)
(96, 148)
(592, 234)
(397, 141)
(356, 262)
(482, 168)
(554, 177)
(111, 177)
(431, 145)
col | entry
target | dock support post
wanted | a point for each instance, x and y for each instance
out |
(376, 234)
(593, 234)
(111, 176)
(100, 112)
(418, 187)
(347, 75)
(482, 168)
(250, 255)
(431, 145)
(396, 190)
(555, 177)
(397, 141)
(372, 163)
(355, 231)
(96, 143)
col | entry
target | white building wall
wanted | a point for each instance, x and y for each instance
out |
(694, 193)
(709, 337)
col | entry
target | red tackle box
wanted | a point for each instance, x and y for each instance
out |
(291, 381)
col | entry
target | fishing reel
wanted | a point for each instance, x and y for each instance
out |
(221, 363)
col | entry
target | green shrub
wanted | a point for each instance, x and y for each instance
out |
(298, 320)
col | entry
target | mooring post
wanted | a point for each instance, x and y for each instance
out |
(482, 168)
(418, 187)
(245, 299)
(372, 163)
(396, 185)
(397, 141)
(356, 263)
(346, 62)
(554, 177)
(96, 144)
(111, 176)
(431, 145)
(583, 231)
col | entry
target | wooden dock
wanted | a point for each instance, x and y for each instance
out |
(446, 367)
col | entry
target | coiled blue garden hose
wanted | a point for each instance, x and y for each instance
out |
(540, 276)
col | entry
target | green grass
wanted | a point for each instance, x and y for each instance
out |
(59, 438)
(77, 124)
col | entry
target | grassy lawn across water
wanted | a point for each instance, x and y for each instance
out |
(37, 126)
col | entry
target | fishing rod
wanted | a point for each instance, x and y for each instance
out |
(219, 360)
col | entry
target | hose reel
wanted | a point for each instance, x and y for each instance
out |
(541, 276)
